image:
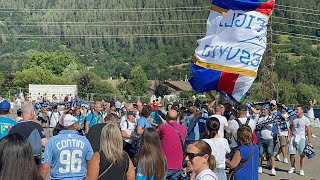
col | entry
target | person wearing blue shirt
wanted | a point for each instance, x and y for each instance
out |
(245, 158)
(143, 121)
(66, 154)
(193, 133)
(5, 122)
(94, 117)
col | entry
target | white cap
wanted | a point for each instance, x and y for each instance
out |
(274, 102)
(67, 120)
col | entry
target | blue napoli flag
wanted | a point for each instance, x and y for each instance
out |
(228, 57)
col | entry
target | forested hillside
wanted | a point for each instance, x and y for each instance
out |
(114, 36)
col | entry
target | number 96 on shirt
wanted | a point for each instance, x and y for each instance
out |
(70, 161)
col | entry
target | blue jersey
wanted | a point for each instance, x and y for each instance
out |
(5, 125)
(67, 154)
(97, 118)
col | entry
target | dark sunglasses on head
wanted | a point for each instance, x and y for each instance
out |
(191, 156)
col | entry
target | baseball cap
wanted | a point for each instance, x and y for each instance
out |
(266, 106)
(5, 106)
(67, 120)
(131, 113)
(273, 102)
(242, 107)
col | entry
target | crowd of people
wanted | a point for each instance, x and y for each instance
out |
(147, 141)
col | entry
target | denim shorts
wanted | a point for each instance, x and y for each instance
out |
(265, 144)
(297, 146)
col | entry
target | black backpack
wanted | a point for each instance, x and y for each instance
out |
(246, 124)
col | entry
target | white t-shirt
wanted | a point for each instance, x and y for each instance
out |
(310, 113)
(130, 130)
(299, 127)
(18, 102)
(220, 147)
(54, 118)
(207, 174)
(223, 123)
(266, 132)
(118, 104)
(18, 119)
(123, 118)
(234, 126)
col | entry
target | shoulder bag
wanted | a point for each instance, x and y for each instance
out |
(233, 172)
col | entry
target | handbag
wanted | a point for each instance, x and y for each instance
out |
(233, 172)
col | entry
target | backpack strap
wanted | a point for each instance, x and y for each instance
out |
(127, 124)
(50, 118)
(192, 130)
(247, 122)
(246, 162)
(239, 122)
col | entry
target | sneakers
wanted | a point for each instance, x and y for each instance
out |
(301, 172)
(277, 158)
(273, 172)
(314, 136)
(260, 170)
(291, 170)
(285, 160)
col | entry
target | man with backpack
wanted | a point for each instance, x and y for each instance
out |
(94, 117)
(32, 131)
(54, 117)
(128, 131)
(235, 124)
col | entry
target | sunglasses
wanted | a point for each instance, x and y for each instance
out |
(160, 106)
(191, 156)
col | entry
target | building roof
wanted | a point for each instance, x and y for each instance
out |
(173, 85)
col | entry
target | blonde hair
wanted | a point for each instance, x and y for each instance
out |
(111, 144)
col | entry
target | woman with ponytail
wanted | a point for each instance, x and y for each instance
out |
(200, 160)
(219, 146)
(244, 162)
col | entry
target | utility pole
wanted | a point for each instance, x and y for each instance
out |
(267, 67)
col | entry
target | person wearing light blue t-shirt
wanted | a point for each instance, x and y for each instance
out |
(143, 121)
(66, 154)
(94, 117)
(5, 122)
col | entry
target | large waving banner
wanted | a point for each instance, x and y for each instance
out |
(228, 57)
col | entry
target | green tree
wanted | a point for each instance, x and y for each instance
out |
(85, 83)
(52, 61)
(36, 75)
(139, 81)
